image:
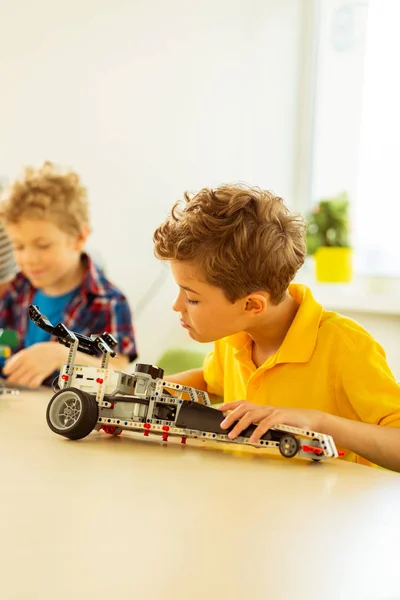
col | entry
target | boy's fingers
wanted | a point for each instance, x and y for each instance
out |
(234, 416)
(255, 414)
(237, 430)
(7, 368)
(18, 375)
(23, 373)
(230, 405)
(249, 418)
(28, 379)
(33, 381)
(262, 428)
(11, 364)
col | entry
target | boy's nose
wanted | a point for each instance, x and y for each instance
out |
(177, 304)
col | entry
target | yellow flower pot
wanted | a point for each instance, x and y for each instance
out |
(333, 264)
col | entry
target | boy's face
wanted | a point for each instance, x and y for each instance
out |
(46, 254)
(204, 310)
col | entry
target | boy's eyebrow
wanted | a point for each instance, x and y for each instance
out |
(188, 289)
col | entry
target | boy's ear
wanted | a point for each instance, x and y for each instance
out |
(256, 304)
(82, 237)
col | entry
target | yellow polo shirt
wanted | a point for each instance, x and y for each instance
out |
(326, 362)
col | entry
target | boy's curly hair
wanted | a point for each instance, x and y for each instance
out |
(242, 238)
(47, 193)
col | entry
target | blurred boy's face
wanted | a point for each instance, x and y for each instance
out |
(48, 256)
(204, 310)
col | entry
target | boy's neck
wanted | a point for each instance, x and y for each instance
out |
(68, 282)
(268, 336)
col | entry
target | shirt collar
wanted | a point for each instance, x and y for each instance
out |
(92, 281)
(300, 340)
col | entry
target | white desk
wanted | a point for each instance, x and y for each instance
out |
(129, 518)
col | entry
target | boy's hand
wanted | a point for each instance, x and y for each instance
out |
(31, 366)
(247, 413)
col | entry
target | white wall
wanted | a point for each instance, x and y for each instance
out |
(145, 99)
(339, 84)
(376, 235)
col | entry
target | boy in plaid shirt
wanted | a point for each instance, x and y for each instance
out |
(46, 217)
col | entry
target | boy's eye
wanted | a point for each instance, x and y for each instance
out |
(192, 301)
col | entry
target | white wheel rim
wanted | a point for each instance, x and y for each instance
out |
(65, 410)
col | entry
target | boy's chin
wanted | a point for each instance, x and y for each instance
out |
(199, 338)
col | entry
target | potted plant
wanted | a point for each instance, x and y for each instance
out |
(328, 239)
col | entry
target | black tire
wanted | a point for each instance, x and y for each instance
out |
(72, 413)
(289, 445)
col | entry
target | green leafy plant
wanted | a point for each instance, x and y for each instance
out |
(328, 224)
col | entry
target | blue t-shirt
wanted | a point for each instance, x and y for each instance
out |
(53, 307)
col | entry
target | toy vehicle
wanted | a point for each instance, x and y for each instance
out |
(88, 398)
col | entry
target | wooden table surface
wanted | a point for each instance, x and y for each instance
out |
(131, 518)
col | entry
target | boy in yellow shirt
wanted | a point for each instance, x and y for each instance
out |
(278, 356)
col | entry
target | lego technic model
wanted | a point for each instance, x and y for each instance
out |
(88, 398)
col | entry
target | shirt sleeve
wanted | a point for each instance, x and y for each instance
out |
(367, 383)
(213, 372)
(121, 327)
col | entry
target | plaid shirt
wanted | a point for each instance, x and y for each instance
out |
(97, 306)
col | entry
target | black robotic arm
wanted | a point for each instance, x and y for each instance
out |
(94, 346)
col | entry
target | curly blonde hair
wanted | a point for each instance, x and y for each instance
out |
(47, 193)
(242, 238)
